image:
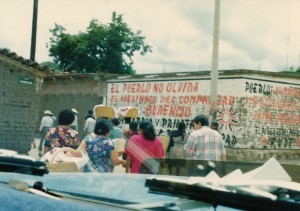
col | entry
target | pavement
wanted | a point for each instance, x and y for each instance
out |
(34, 153)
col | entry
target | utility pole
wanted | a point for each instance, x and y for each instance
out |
(34, 28)
(215, 58)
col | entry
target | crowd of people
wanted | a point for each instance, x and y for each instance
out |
(144, 149)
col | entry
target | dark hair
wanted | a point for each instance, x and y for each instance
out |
(133, 125)
(160, 131)
(181, 125)
(102, 127)
(90, 112)
(115, 121)
(215, 123)
(127, 120)
(201, 119)
(66, 117)
(148, 130)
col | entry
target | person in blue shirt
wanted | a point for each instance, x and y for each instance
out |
(116, 132)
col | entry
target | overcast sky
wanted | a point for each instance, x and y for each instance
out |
(254, 34)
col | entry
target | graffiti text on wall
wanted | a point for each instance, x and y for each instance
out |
(258, 88)
(287, 91)
(262, 103)
(282, 118)
(278, 137)
(171, 99)
(278, 132)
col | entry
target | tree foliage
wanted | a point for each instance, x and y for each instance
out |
(105, 48)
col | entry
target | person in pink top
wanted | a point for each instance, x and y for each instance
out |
(143, 146)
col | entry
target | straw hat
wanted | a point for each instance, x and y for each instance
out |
(48, 112)
(74, 110)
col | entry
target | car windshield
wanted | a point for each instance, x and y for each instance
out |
(159, 105)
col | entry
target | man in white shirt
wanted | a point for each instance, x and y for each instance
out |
(74, 124)
(46, 124)
(89, 125)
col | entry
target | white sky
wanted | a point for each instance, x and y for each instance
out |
(254, 34)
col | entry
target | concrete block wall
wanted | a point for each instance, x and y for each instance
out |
(58, 102)
(19, 104)
(76, 92)
(78, 84)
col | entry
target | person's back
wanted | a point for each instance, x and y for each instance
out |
(132, 130)
(46, 123)
(74, 124)
(116, 132)
(90, 114)
(63, 135)
(127, 135)
(141, 149)
(143, 146)
(177, 150)
(208, 144)
(89, 125)
(100, 157)
(177, 136)
(205, 143)
(100, 149)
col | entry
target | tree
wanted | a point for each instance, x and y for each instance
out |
(105, 48)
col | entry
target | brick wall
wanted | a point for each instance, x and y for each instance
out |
(19, 103)
(65, 92)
